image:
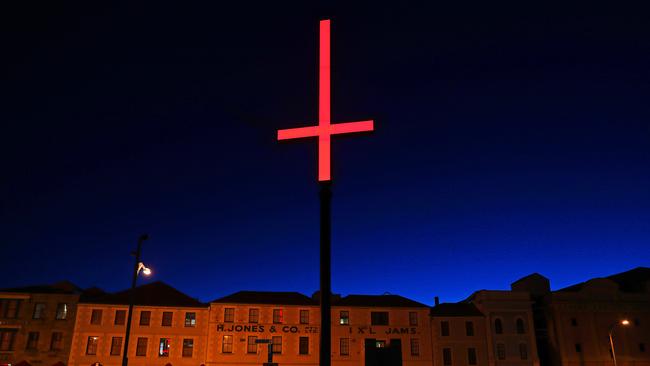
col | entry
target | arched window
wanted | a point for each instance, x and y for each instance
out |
(520, 326)
(498, 326)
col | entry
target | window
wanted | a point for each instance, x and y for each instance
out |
(141, 346)
(413, 318)
(578, 347)
(91, 346)
(446, 356)
(278, 316)
(163, 347)
(277, 344)
(61, 311)
(226, 344)
(501, 351)
(167, 319)
(253, 315)
(120, 317)
(303, 346)
(498, 326)
(344, 346)
(444, 328)
(10, 307)
(304, 316)
(574, 322)
(379, 318)
(56, 344)
(229, 315)
(469, 329)
(7, 337)
(523, 351)
(116, 346)
(344, 317)
(471, 356)
(39, 308)
(251, 346)
(520, 326)
(32, 341)
(145, 317)
(190, 319)
(415, 347)
(641, 347)
(188, 347)
(380, 344)
(96, 316)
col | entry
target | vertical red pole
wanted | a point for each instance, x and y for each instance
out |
(324, 107)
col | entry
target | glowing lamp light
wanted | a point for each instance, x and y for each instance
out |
(625, 322)
(325, 129)
(145, 270)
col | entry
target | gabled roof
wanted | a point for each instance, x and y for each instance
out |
(153, 294)
(266, 297)
(377, 301)
(455, 309)
(634, 280)
(63, 287)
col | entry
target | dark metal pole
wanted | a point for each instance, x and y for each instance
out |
(325, 273)
(125, 358)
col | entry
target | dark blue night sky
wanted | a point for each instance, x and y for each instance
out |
(509, 140)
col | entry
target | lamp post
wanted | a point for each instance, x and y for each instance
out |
(139, 266)
(611, 340)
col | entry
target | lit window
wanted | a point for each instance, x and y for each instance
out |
(379, 318)
(226, 344)
(229, 315)
(278, 316)
(91, 346)
(188, 347)
(167, 318)
(444, 328)
(190, 319)
(413, 318)
(62, 311)
(304, 316)
(344, 346)
(163, 347)
(253, 315)
(96, 316)
(501, 351)
(380, 344)
(145, 317)
(415, 347)
(471, 356)
(32, 341)
(498, 326)
(303, 346)
(277, 344)
(120, 317)
(39, 308)
(141, 346)
(446, 356)
(251, 347)
(344, 317)
(116, 346)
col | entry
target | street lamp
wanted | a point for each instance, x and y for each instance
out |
(139, 266)
(611, 340)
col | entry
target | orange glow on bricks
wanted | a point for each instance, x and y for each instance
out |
(324, 129)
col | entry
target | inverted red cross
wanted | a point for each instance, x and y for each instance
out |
(324, 129)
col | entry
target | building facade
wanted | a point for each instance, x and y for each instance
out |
(459, 335)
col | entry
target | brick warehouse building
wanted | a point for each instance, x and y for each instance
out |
(526, 326)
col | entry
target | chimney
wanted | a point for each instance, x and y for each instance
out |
(437, 300)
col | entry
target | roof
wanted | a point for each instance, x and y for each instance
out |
(266, 297)
(63, 287)
(634, 280)
(152, 294)
(455, 309)
(378, 300)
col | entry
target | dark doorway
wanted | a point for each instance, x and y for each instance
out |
(383, 353)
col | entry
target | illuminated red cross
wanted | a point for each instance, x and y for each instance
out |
(324, 129)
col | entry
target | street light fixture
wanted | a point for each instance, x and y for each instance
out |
(611, 340)
(139, 266)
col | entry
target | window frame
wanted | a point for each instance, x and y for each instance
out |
(188, 344)
(228, 315)
(413, 318)
(92, 346)
(191, 316)
(148, 318)
(39, 309)
(275, 345)
(227, 347)
(344, 320)
(115, 345)
(251, 347)
(301, 345)
(304, 320)
(142, 344)
(256, 318)
(445, 330)
(344, 346)
(171, 319)
(96, 316)
(415, 346)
